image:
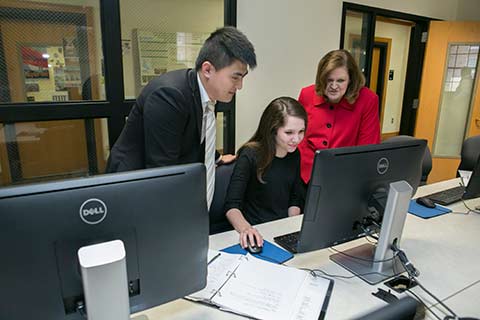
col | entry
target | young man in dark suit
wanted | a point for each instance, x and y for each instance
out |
(166, 126)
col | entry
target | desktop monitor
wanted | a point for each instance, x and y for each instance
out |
(159, 214)
(348, 193)
(402, 309)
(469, 187)
(472, 189)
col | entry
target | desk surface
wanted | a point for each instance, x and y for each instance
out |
(445, 249)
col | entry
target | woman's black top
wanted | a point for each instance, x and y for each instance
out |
(262, 202)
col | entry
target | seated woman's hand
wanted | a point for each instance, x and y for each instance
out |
(251, 234)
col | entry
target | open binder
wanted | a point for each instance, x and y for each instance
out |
(262, 290)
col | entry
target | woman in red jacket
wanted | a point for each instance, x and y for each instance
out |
(341, 111)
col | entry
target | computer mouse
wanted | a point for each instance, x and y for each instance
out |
(253, 248)
(424, 201)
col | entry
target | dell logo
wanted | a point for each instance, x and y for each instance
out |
(382, 165)
(93, 211)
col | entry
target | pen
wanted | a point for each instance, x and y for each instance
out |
(213, 259)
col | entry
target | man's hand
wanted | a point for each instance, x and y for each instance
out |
(226, 158)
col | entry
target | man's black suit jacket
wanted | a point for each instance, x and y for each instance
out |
(163, 127)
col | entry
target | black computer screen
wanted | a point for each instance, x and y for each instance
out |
(472, 189)
(160, 215)
(348, 185)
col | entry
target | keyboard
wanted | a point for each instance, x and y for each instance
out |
(288, 241)
(447, 196)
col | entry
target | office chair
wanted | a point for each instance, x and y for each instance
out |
(427, 158)
(470, 153)
(218, 220)
(402, 309)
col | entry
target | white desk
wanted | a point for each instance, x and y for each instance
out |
(446, 250)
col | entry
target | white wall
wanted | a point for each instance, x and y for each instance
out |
(468, 10)
(445, 9)
(290, 37)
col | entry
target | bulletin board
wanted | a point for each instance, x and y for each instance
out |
(160, 52)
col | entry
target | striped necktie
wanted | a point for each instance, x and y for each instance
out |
(210, 135)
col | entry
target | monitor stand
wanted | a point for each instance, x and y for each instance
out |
(104, 279)
(398, 200)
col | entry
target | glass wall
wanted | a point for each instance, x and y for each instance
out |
(355, 36)
(48, 150)
(60, 107)
(167, 36)
(456, 100)
(373, 35)
(50, 52)
(160, 36)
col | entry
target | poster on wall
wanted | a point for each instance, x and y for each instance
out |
(43, 68)
(160, 52)
(71, 72)
(56, 61)
(35, 63)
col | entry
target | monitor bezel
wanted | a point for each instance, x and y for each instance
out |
(179, 222)
(317, 219)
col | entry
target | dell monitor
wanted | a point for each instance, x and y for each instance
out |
(159, 214)
(466, 190)
(402, 309)
(472, 189)
(348, 191)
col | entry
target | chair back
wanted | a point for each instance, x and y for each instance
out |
(427, 158)
(218, 220)
(470, 153)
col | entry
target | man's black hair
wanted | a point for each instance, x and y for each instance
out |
(224, 46)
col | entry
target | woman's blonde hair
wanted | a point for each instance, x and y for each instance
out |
(337, 59)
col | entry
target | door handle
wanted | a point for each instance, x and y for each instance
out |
(477, 122)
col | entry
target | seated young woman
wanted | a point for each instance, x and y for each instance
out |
(265, 183)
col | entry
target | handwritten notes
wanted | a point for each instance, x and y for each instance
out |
(263, 290)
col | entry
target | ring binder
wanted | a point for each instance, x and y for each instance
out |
(263, 290)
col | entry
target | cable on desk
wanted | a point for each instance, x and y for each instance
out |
(459, 212)
(313, 272)
(361, 259)
(470, 209)
(369, 233)
(461, 183)
(438, 300)
(423, 303)
(412, 293)
(411, 270)
(374, 237)
(413, 273)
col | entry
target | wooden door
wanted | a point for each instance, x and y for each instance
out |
(374, 70)
(438, 94)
